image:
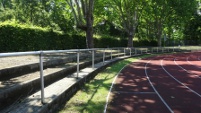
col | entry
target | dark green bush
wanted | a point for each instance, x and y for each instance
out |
(20, 38)
(15, 37)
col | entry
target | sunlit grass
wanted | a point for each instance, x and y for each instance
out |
(92, 96)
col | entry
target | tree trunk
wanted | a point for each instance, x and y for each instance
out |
(130, 39)
(89, 32)
(159, 32)
(89, 25)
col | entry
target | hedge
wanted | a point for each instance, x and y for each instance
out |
(14, 38)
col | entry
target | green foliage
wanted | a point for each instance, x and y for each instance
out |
(192, 32)
(15, 37)
(92, 96)
(145, 19)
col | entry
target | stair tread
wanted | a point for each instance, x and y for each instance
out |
(33, 102)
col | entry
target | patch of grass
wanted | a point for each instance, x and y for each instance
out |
(91, 98)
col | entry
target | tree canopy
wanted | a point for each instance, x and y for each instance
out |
(166, 21)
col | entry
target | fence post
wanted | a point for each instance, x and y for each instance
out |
(157, 49)
(135, 51)
(119, 52)
(92, 59)
(130, 52)
(41, 77)
(78, 62)
(111, 54)
(104, 57)
(124, 52)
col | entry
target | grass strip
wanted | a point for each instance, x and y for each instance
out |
(91, 98)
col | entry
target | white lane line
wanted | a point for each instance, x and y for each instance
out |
(108, 96)
(156, 90)
(132, 92)
(185, 69)
(199, 58)
(178, 80)
(187, 59)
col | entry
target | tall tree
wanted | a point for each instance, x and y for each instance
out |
(83, 14)
(128, 12)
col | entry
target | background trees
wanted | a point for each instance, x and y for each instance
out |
(168, 22)
(82, 11)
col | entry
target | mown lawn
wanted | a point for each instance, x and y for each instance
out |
(92, 96)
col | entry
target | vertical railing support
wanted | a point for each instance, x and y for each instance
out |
(78, 62)
(124, 52)
(111, 54)
(42, 77)
(92, 59)
(130, 52)
(119, 52)
(103, 56)
(157, 49)
(135, 51)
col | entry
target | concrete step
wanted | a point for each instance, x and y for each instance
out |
(57, 92)
(22, 65)
(15, 89)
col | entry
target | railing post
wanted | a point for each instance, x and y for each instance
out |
(41, 77)
(93, 59)
(78, 62)
(104, 57)
(152, 50)
(111, 54)
(157, 49)
(130, 52)
(135, 51)
(119, 52)
(124, 52)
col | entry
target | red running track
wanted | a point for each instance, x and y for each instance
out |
(161, 84)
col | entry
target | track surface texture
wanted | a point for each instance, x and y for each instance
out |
(161, 84)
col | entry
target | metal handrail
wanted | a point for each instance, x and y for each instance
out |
(119, 53)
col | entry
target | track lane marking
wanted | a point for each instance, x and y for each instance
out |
(199, 58)
(185, 69)
(132, 92)
(178, 80)
(168, 107)
(108, 96)
(187, 59)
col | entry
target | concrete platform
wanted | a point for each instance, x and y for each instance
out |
(58, 92)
